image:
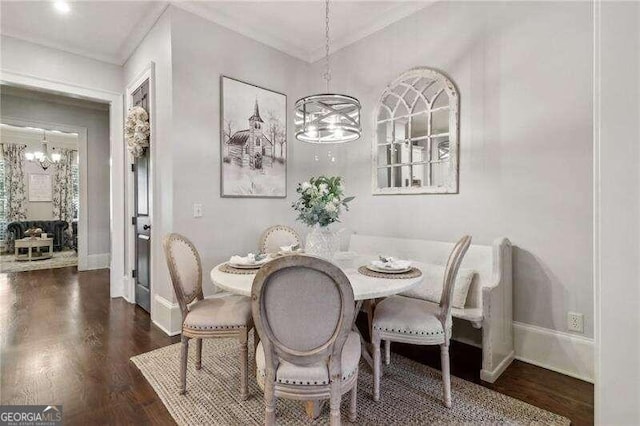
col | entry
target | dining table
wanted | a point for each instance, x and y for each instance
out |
(366, 291)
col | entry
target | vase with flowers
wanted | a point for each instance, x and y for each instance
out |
(320, 204)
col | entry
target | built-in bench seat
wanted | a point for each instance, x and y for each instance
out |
(489, 303)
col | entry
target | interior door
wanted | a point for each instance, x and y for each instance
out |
(141, 221)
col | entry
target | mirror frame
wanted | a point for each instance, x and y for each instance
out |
(451, 186)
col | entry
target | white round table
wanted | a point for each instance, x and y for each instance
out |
(364, 287)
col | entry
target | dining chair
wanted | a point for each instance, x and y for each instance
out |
(415, 321)
(303, 309)
(277, 236)
(228, 316)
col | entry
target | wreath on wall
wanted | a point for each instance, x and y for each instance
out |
(136, 131)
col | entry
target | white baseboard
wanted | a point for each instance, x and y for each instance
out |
(492, 375)
(94, 261)
(167, 316)
(555, 350)
(564, 353)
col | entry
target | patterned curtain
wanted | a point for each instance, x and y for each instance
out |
(63, 189)
(15, 193)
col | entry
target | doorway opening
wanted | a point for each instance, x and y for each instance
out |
(55, 180)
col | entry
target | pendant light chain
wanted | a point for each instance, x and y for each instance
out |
(327, 118)
(327, 73)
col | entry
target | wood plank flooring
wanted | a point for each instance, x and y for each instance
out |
(64, 341)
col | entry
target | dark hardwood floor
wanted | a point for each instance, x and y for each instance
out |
(64, 341)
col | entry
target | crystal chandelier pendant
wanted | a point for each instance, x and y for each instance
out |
(329, 117)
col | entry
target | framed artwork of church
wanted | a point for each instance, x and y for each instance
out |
(253, 139)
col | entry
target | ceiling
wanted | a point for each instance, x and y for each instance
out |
(110, 31)
(32, 137)
(297, 27)
(105, 30)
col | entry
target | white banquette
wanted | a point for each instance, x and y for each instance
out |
(489, 303)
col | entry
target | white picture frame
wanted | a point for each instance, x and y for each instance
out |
(40, 189)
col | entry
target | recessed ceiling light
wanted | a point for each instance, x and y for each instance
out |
(62, 6)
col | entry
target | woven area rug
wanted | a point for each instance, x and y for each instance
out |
(410, 394)
(60, 259)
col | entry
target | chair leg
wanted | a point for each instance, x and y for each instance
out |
(256, 341)
(183, 364)
(446, 375)
(387, 352)
(269, 399)
(198, 354)
(353, 409)
(375, 341)
(244, 364)
(334, 403)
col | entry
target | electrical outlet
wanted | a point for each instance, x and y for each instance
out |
(575, 322)
(197, 210)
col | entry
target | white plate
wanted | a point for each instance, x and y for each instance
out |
(388, 271)
(238, 266)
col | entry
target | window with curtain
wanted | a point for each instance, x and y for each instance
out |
(3, 202)
(75, 179)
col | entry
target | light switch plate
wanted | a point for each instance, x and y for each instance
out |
(197, 210)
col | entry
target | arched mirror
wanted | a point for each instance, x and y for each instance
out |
(415, 144)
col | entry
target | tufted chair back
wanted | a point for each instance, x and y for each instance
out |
(185, 268)
(277, 236)
(450, 273)
(303, 310)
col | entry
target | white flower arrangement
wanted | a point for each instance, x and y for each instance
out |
(136, 131)
(321, 201)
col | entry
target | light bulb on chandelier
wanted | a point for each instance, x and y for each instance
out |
(42, 157)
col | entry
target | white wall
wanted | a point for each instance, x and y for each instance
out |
(35, 60)
(618, 332)
(97, 123)
(523, 71)
(29, 65)
(156, 48)
(202, 52)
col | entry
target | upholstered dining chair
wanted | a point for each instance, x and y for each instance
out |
(277, 236)
(303, 309)
(415, 321)
(202, 318)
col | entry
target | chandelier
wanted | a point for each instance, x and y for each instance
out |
(327, 117)
(42, 157)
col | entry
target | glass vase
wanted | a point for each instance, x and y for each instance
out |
(322, 242)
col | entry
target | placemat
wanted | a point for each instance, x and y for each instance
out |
(413, 273)
(231, 270)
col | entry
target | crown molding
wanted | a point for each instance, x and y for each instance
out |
(110, 59)
(236, 25)
(401, 11)
(140, 30)
(131, 42)
(394, 15)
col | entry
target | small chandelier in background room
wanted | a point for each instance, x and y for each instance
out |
(42, 157)
(327, 117)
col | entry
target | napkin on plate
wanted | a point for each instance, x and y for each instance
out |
(391, 263)
(249, 259)
(290, 249)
